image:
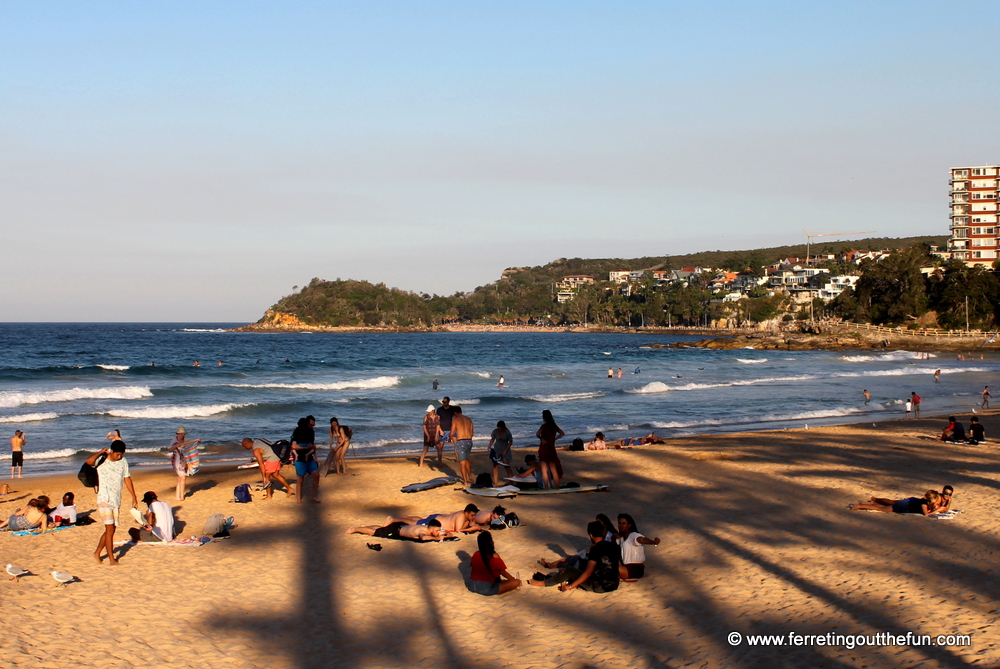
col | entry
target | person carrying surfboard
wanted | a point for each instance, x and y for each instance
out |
(184, 458)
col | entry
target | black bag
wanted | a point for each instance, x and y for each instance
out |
(504, 521)
(282, 449)
(88, 473)
(577, 445)
(484, 480)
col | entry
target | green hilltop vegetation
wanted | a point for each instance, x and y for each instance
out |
(527, 294)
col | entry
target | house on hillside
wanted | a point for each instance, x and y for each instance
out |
(568, 287)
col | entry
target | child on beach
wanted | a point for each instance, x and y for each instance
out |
(908, 405)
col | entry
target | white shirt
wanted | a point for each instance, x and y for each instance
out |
(632, 550)
(64, 512)
(164, 527)
(110, 475)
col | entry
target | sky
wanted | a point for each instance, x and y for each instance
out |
(196, 161)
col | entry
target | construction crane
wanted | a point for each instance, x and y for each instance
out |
(809, 237)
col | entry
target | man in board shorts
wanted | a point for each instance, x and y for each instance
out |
(111, 474)
(269, 463)
(461, 437)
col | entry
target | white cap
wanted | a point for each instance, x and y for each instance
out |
(430, 407)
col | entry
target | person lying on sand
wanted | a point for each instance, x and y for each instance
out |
(459, 521)
(397, 529)
(484, 518)
(598, 444)
(30, 517)
(600, 573)
(943, 505)
(925, 505)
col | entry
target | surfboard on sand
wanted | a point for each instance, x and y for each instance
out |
(560, 491)
(505, 491)
(430, 485)
(248, 465)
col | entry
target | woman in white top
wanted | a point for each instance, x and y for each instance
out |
(633, 562)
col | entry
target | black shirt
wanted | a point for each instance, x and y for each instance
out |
(977, 431)
(304, 435)
(446, 414)
(606, 555)
(958, 433)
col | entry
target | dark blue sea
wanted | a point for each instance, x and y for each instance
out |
(67, 384)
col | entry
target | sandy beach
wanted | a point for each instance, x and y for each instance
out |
(757, 539)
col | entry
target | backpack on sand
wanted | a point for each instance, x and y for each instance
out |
(242, 494)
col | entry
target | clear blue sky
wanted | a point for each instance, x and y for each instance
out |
(194, 161)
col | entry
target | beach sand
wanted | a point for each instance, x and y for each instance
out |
(756, 533)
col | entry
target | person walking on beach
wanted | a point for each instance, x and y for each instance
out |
(868, 397)
(548, 456)
(16, 453)
(112, 473)
(445, 412)
(340, 440)
(178, 448)
(501, 442)
(986, 398)
(304, 446)
(916, 405)
(432, 435)
(461, 437)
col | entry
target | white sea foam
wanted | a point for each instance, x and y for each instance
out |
(115, 368)
(202, 330)
(751, 362)
(474, 400)
(172, 411)
(564, 397)
(886, 357)
(607, 428)
(606, 352)
(28, 417)
(766, 418)
(13, 398)
(484, 375)
(70, 452)
(654, 387)
(376, 382)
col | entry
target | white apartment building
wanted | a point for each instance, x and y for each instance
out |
(974, 227)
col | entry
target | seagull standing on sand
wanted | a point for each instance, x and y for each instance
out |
(16, 572)
(63, 577)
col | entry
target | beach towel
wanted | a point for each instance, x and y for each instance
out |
(945, 515)
(430, 485)
(193, 541)
(36, 532)
(192, 459)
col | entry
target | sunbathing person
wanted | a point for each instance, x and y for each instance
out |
(489, 573)
(600, 573)
(30, 517)
(633, 564)
(598, 444)
(459, 521)
(484, 518)
(943, 505)
(399, 530)
(925, 505)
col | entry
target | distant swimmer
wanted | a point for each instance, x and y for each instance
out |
(986, 398)
(196, 364)
(619, 372)
(637, 371)
(435, 385)
(937, 375)
(678, 376)
(611, 373)
(868, 397)
(219, 363)
(500, 382)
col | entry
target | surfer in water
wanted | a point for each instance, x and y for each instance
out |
(500, 382)
(177, 448)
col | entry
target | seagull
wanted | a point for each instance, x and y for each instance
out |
(16, 572)
(63, 577)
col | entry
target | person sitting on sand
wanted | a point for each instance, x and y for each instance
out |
(601, 572)
(633, 558)
(66, 511)
(598, 444)
(954, 432)
(269, 463)
(489, 575)
(159, 521)
(397, 529)
(30, 517)
(977, 434)
(925, 505)
(459, 521)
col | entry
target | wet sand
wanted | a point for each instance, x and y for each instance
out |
(756, 533)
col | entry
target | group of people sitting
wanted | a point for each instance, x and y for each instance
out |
(600, 443)
(931, 502)
(37, 514)
(954, 433)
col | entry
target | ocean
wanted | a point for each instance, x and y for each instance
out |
(68, 384)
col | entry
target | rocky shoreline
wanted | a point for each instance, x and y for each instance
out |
(847, 340)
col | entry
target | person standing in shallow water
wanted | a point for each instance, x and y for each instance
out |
(432, 435)
(986, 398)
(868, 397)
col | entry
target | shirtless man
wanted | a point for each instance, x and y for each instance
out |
(269, 463)
(459, 521)
(484, 518)
(16, 453)
(399, 530)
(461, 437)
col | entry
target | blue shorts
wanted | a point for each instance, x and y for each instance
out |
(464, 448)
(445, 436)
(306, 468)
(428, 519)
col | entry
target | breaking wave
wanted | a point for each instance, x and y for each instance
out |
(176, 411)
(13, 399)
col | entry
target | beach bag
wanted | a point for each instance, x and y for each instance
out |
(282, 450)
(88, 473)
(577, 445)
(484, 480)
(505, 521)
(348, 432)
(242, 494)
(218, 525)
